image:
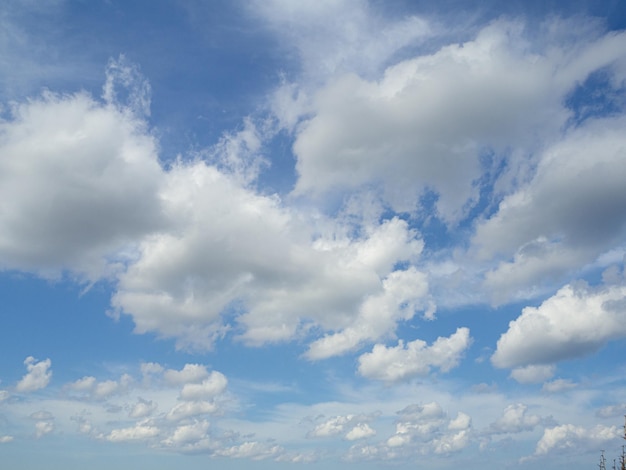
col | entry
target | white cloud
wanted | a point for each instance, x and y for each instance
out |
(515, 419)
(79, 183)
(426, 429)
(190, 373)
(83, 385)
(360, 431)
(558, 385)
(426, 122)
(532, 374)
(43, 427)
(275, 265)
(38, 376)
(138, 432)
(6, 439)
(574, 322)
(414, 359)
(142, 409)
(251, 450)
(213, 385)
(544, 230)
(4, 395)
(568, 437)
(188, 433)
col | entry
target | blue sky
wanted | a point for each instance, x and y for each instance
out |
(313, 234)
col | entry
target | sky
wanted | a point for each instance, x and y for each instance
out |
(279, 234)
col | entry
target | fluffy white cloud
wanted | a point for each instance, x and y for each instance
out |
(576, 321)
(424, 429)
(38, 376)
(78, 181)
(188, 433)
(360, 431)
(352, 427)
(416, 358)
(4, 395)
(251, 450)
(189, 373)
(138, 432)
(545, 230)
(142, 409)
(89, 387)
(426, 122)
(568, 437)
(6, 439)
(213, 385)
(43, 427)
(515, 419)
(266, 261)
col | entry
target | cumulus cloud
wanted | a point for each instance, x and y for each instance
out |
(6, 439)
(426, 429)
(576, 321)
(139, 432)
(416, 358)
(251, 450)
(89, 387)
(213, 385)
(350, 427)
(79, 183)
(544, 230)
(43, 427)
(189, 373)
(188, 434)
(515, 419)
(38, 376)
(142, 409)
(425, 124)
(568, 438)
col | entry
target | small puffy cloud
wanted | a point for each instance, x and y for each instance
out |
(6, 439)
(38, 376)
(251, 450)
(533, 374)
(515, 419)
(89, 387)
(83, 385)
(568, 437)
(576, 321)
(213, 385)
(139, 432)
(558, 385)
(360, 431)
(427, 428)
(187, 434)
(4, 395)
(416, 358)
(43, 427)
(190, 373)
(142, 409)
